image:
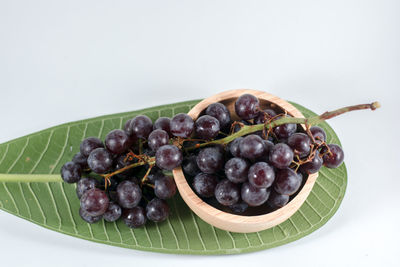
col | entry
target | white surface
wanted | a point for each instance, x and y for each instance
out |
(66, 60)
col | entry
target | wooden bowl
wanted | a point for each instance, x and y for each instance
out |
(228, 221)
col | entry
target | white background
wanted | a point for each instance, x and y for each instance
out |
(67, 60)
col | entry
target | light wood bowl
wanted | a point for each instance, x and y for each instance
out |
(228, 221)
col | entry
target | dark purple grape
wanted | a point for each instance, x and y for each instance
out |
(117, 141)
(71, 172)
(254, 196)
(276, 200)
(333, 159)
(141, 126)
(247, 106)
(163, 123)
(204, 184)
(265, 114)
(234, 147)
(129, 194)
(300, 143)
(95, 202)
(189, 165)
(134, 217)
(157, 210)
(182, 125)
(88, 218)
(154, 174)
(89, 144)
(85, 184)
(227, 193)
(312, 166)
(239, 208)
(113, 212)
(318, 133)
(127, 128)
(164, 187)
(261, 175)
(285, 130)
(287, 182)
(252, 147)
(80, 159)
(236, 170)
(168, 157)
(281, 155)
(100, 160)
(220, 112)
(158, 138)
(210, 160)
(207, 127)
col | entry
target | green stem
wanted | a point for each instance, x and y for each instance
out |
(27, 178)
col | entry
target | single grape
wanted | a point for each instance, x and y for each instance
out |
(168, 157)
(207, 127)
(247, 106)
(285, 130)
(113, 212)
(236, 170)
(276, 200)
(312, 166)
(89, 144)
(252, 147)
(141, 126)
(261, 175)
(157, 210)
(234, 147)
(254, 196)
(129, 194)
(227, 193)
(210, 160)
(189, 165)
(134, 217)
(281, 155)
(300, 143)
(182, 125)
(318, 133)
(165, 187)
(239, 208)
(157, 139)
(88, 218)
(163, 123)
(85, 184)
(333, 159)
(80, 159)
(265, 114)
(100, 160)
(220, 112)
(95, 202)
(204, 184)
(71, 172)
(287, 182)
(117, 141)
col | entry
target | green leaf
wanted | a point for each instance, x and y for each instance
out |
(31, 188)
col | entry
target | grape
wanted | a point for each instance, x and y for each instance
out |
(261, 175)
(333, 159)
(207, 127)
(189, 165)
(88, 218)
(312, 166)
(127, 128)
(182, 125)
(281, 155)
(157, 210)
(158, 138)
(210, 160)
(89, 144)
(113, 212)
(227, 193)
(163, 123)
(318, 133)
(276, 200)
(252, 147)
(71, 172)
(128, 194)
(236, 170)
(117, 141)
(154, 174)
(204, 184)
(268, 145)
(85, 184)
(164, 187)
(234, 147)
(168, 157)
(285, 130)
(100, 161)
(220, 112)
(95, 202)
(239, 207)
(287, 182)
(265, 114)
(111, 184)
(247, 106)
(300, 143)
(141, 126)
(80, 159)
(134, 217)
(254, 196)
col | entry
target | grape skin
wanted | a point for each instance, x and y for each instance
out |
(85, 184)
(189, 165)
(252, 147)
(94, 202)
(182, 125)
(89, 144)
(157, 139)
(234, 147)
(157, 210)
(281, 156)
(129, 194)
(333, 159)
(168, 157)
(261, 175)
(207, 127)
(285, 130)
(164, 187)
(117, 141)
(318, 134)
(112, 213)
(141, 126)
(88, 218)
(236, 170)
(247, 106)
(312, 166)
(254, 196)
(265, 114)
(204, 184)
(276, 200)
(220, 112)
(227, 193)
(100, 161)
(287, 182)
(300, 143)
(81, 160)
(71, 172)
(210, 160)
(134, 217)
(163, 123)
